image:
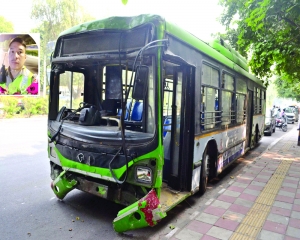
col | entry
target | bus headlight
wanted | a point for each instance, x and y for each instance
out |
(143, 174)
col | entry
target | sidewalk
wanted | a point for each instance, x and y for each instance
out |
(263, 202)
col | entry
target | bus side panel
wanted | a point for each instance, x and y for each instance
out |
(230, 146)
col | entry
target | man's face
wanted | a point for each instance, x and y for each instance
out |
(17, 56)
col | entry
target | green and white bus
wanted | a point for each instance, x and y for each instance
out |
(142, 113)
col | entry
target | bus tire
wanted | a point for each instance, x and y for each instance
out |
(204, 170)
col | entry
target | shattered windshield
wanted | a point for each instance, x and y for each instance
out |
(108, 89)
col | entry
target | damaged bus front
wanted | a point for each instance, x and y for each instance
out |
(102, 119)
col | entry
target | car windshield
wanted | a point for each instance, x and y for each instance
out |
(289, 110)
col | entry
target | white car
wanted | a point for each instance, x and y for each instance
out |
(296, 111)
(290, 113)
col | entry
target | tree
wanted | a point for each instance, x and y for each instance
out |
(6, 26)
(55, 16)
(269, 31)
(287, 89)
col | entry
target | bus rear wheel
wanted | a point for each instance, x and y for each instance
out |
(206, 159)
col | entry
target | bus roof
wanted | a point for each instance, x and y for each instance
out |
(113, 23)
(215, 50)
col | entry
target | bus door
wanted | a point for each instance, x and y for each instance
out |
(176, 127)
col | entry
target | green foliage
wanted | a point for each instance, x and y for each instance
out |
(54, 17)
(35, 106)
(32, 52)
(269, 30)
(10, 106)
(286, 88)
(6, 26)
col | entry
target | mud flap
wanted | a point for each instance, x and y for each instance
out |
(61, 185)
(143, 213)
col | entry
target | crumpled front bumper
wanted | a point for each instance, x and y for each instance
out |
(61, 186)
(143, 213)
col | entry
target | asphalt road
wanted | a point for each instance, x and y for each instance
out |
(29, 210)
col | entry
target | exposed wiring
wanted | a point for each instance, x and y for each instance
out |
(122, 128)
(147, 46)
(123, 101)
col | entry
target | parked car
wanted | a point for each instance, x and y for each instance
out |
(270, 122)
(290, 113)
(296, 110)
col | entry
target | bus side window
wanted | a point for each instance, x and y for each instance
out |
(210, 98)
(209, 114)
(241, 91)
(228, 99)
(240, 108)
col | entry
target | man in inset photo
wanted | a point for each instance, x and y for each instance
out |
(19, 69)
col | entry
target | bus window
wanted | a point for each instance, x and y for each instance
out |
(240, 108)
(168, 96)
(71, 86)
(241, 89)
(210, 98)
(263, 102)
(241, 86)
(226, 107)
(210, 76)
(254, 100)
(258, 101)
(228, 111)
(210, 105)
(227, 82)
(126, 76)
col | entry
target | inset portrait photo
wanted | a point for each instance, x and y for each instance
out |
(19, 62)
